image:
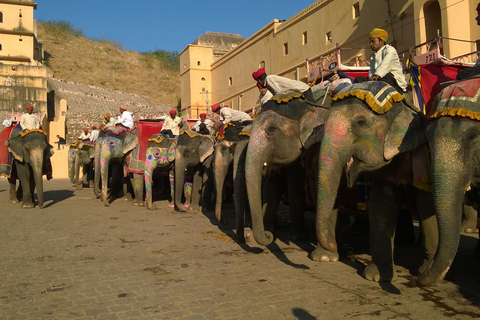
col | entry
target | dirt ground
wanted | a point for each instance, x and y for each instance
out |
(77, 259)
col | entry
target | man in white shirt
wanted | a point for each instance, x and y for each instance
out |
(109, 121)
(94, 134)
(204, 125)
(125, 119)
(234, 116)
(171, 125)
(84, 135)
(265, 95)
(276, 84)
(384, 62)
(29, 120)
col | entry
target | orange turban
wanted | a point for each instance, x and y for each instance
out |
(379, 33)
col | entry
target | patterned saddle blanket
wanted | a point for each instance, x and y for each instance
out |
(378, 95)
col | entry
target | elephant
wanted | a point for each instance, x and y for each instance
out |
(31, 152)
(115, 144)
(286, 127)
(370, 128)
(194, 150)
(453, 136)
(231, 147)
(160, 154)
(81, 154)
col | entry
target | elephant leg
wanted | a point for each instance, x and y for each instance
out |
(207, 185)
(296, 199)
(138, 187)
(196, 190)
(383, 211)
(239, 189)
(171, 180)
(24, 175)
(13, 190)
(85, 175)
(469, 222)
(127, 196)
(273, 189)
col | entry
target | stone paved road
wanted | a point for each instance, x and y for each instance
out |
(76, 259)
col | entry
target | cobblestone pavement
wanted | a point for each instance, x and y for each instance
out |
(76, 259)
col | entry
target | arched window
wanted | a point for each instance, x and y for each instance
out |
(1, 17)
(433, 19)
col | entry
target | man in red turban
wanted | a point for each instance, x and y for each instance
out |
(29, 120)
(276, 84)
(171, 125)
(204, 125)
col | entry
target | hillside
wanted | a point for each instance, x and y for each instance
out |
(104, 65)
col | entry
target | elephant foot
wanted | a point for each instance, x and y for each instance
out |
(13, 201)
(27, 205)
(384, 274)
(79, 187)
(171, 205)
(180, 208)
(90, 184)
(322, 255)
(469, 230)
(138, 203)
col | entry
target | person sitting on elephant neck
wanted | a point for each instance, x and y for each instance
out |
(125, 119)
(171, 125)
(276, 84)
(238, 118)
(265, 95)
(475, 70)
(94, 134)
(204, 125)
(29, 120)
(384, 62)
(108, 121)
(85, 135)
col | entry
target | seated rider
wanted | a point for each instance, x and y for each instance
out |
(29, 120)
(204, 125)
(125, 119)
(236, 117)
(171, 125)
(85, 135)
(384, 62)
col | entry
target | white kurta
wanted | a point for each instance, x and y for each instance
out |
(29, 121)
(84, 136)
(386, 60)
(126, 119)
(172, 124)
(208, 123)
(230, 115)
(265, 97)
(276, 84)
(94, 135)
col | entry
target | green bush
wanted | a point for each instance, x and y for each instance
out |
(169, 59)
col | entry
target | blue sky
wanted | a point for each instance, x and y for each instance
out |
(147, 25)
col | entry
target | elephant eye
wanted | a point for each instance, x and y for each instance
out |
(111, 143)
(157, 154)
(271, 129)
(361, 122)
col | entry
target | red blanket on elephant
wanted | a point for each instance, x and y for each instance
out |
(5, 157)
(145, 130)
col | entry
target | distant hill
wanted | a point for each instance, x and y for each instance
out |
(104, 64)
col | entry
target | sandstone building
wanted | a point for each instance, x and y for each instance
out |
(284, 46)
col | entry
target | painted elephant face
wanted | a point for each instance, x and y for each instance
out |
(193, 150)
(111, 148)
(22, 147)
(283, 129)
(366, 141)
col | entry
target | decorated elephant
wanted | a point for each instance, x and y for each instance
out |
(231, 146)
(81, 154)
(371, 129)
(286, 126)
(31, 153)
(195, 151)
(160, 155)
(453, 136)
(128, 146)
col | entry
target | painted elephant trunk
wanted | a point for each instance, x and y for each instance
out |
(78, 182)
(449, 179)
(221, 169)
(257, 155)
(149, 183)
(104, 174)
(96, 179)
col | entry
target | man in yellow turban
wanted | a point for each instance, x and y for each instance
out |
(384, 62)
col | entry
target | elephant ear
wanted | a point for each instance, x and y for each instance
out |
(311, 129)
(205, 149)
(129, 142)
(171, 151)
(407, 132)
(15, 146)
